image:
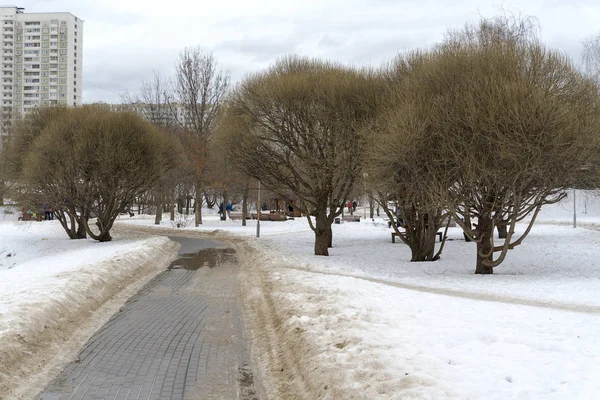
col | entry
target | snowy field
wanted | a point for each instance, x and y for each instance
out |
(55, 292)
(371, 324)
(367, 323)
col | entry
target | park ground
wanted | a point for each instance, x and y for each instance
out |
(362, 323)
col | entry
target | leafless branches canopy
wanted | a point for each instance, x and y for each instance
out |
(200, 91)
(296, 128)
(591, 57)
(91, 162)
(492, 125)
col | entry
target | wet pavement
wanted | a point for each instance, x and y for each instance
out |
(180, 337)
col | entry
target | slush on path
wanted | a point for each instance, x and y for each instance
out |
(180, 337)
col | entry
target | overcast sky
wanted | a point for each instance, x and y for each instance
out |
(124, 41)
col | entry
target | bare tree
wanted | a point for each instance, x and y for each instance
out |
(296, 128)
(591, 57)
(93, 162)
(407, 188)
(200, 91)
(155, 103)
(506, 124)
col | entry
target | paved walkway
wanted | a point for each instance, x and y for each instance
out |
(181, 337)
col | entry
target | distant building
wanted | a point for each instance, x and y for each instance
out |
(162, 115)
(41, 61)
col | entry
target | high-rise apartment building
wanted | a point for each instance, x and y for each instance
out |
(41, 61)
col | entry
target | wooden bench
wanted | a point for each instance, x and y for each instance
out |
(237, 215)
(394, 234)
(351, 218)
(270, 216)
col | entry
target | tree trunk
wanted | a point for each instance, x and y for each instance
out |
(81, 232)
(158, 203)
(73, 228)
(485, 234)
(245, 206)
(187, 205)
(502, 229)
(104, 228)
(371, 207)
(421, 232)
(225, 201)
(172, 211)
(198, 206)
(322, 231)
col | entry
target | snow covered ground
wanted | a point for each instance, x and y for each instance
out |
(55, 292)
(371, 324)
(367, 323)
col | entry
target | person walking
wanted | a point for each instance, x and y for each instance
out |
(46, 208)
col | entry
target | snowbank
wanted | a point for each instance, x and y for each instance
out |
(55, 292)
(367, 323)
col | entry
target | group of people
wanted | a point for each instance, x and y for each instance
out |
(228, 209)
(352, 206)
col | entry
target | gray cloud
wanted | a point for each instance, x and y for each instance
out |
(125, 41)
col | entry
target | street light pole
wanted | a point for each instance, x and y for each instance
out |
(365, 176)
(574, 210)
(258, 212)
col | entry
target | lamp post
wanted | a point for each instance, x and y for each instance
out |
(365, 176)
(258, 213)
(574, 209)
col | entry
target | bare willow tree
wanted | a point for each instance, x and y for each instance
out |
(91, 162)
(154, 103)
(200, 90)
(509, 122)
(591, 56)
(296, 128)
(407, 183)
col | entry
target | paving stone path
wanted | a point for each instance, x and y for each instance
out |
(181, 337)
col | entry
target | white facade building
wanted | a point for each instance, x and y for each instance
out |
(41, 61)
